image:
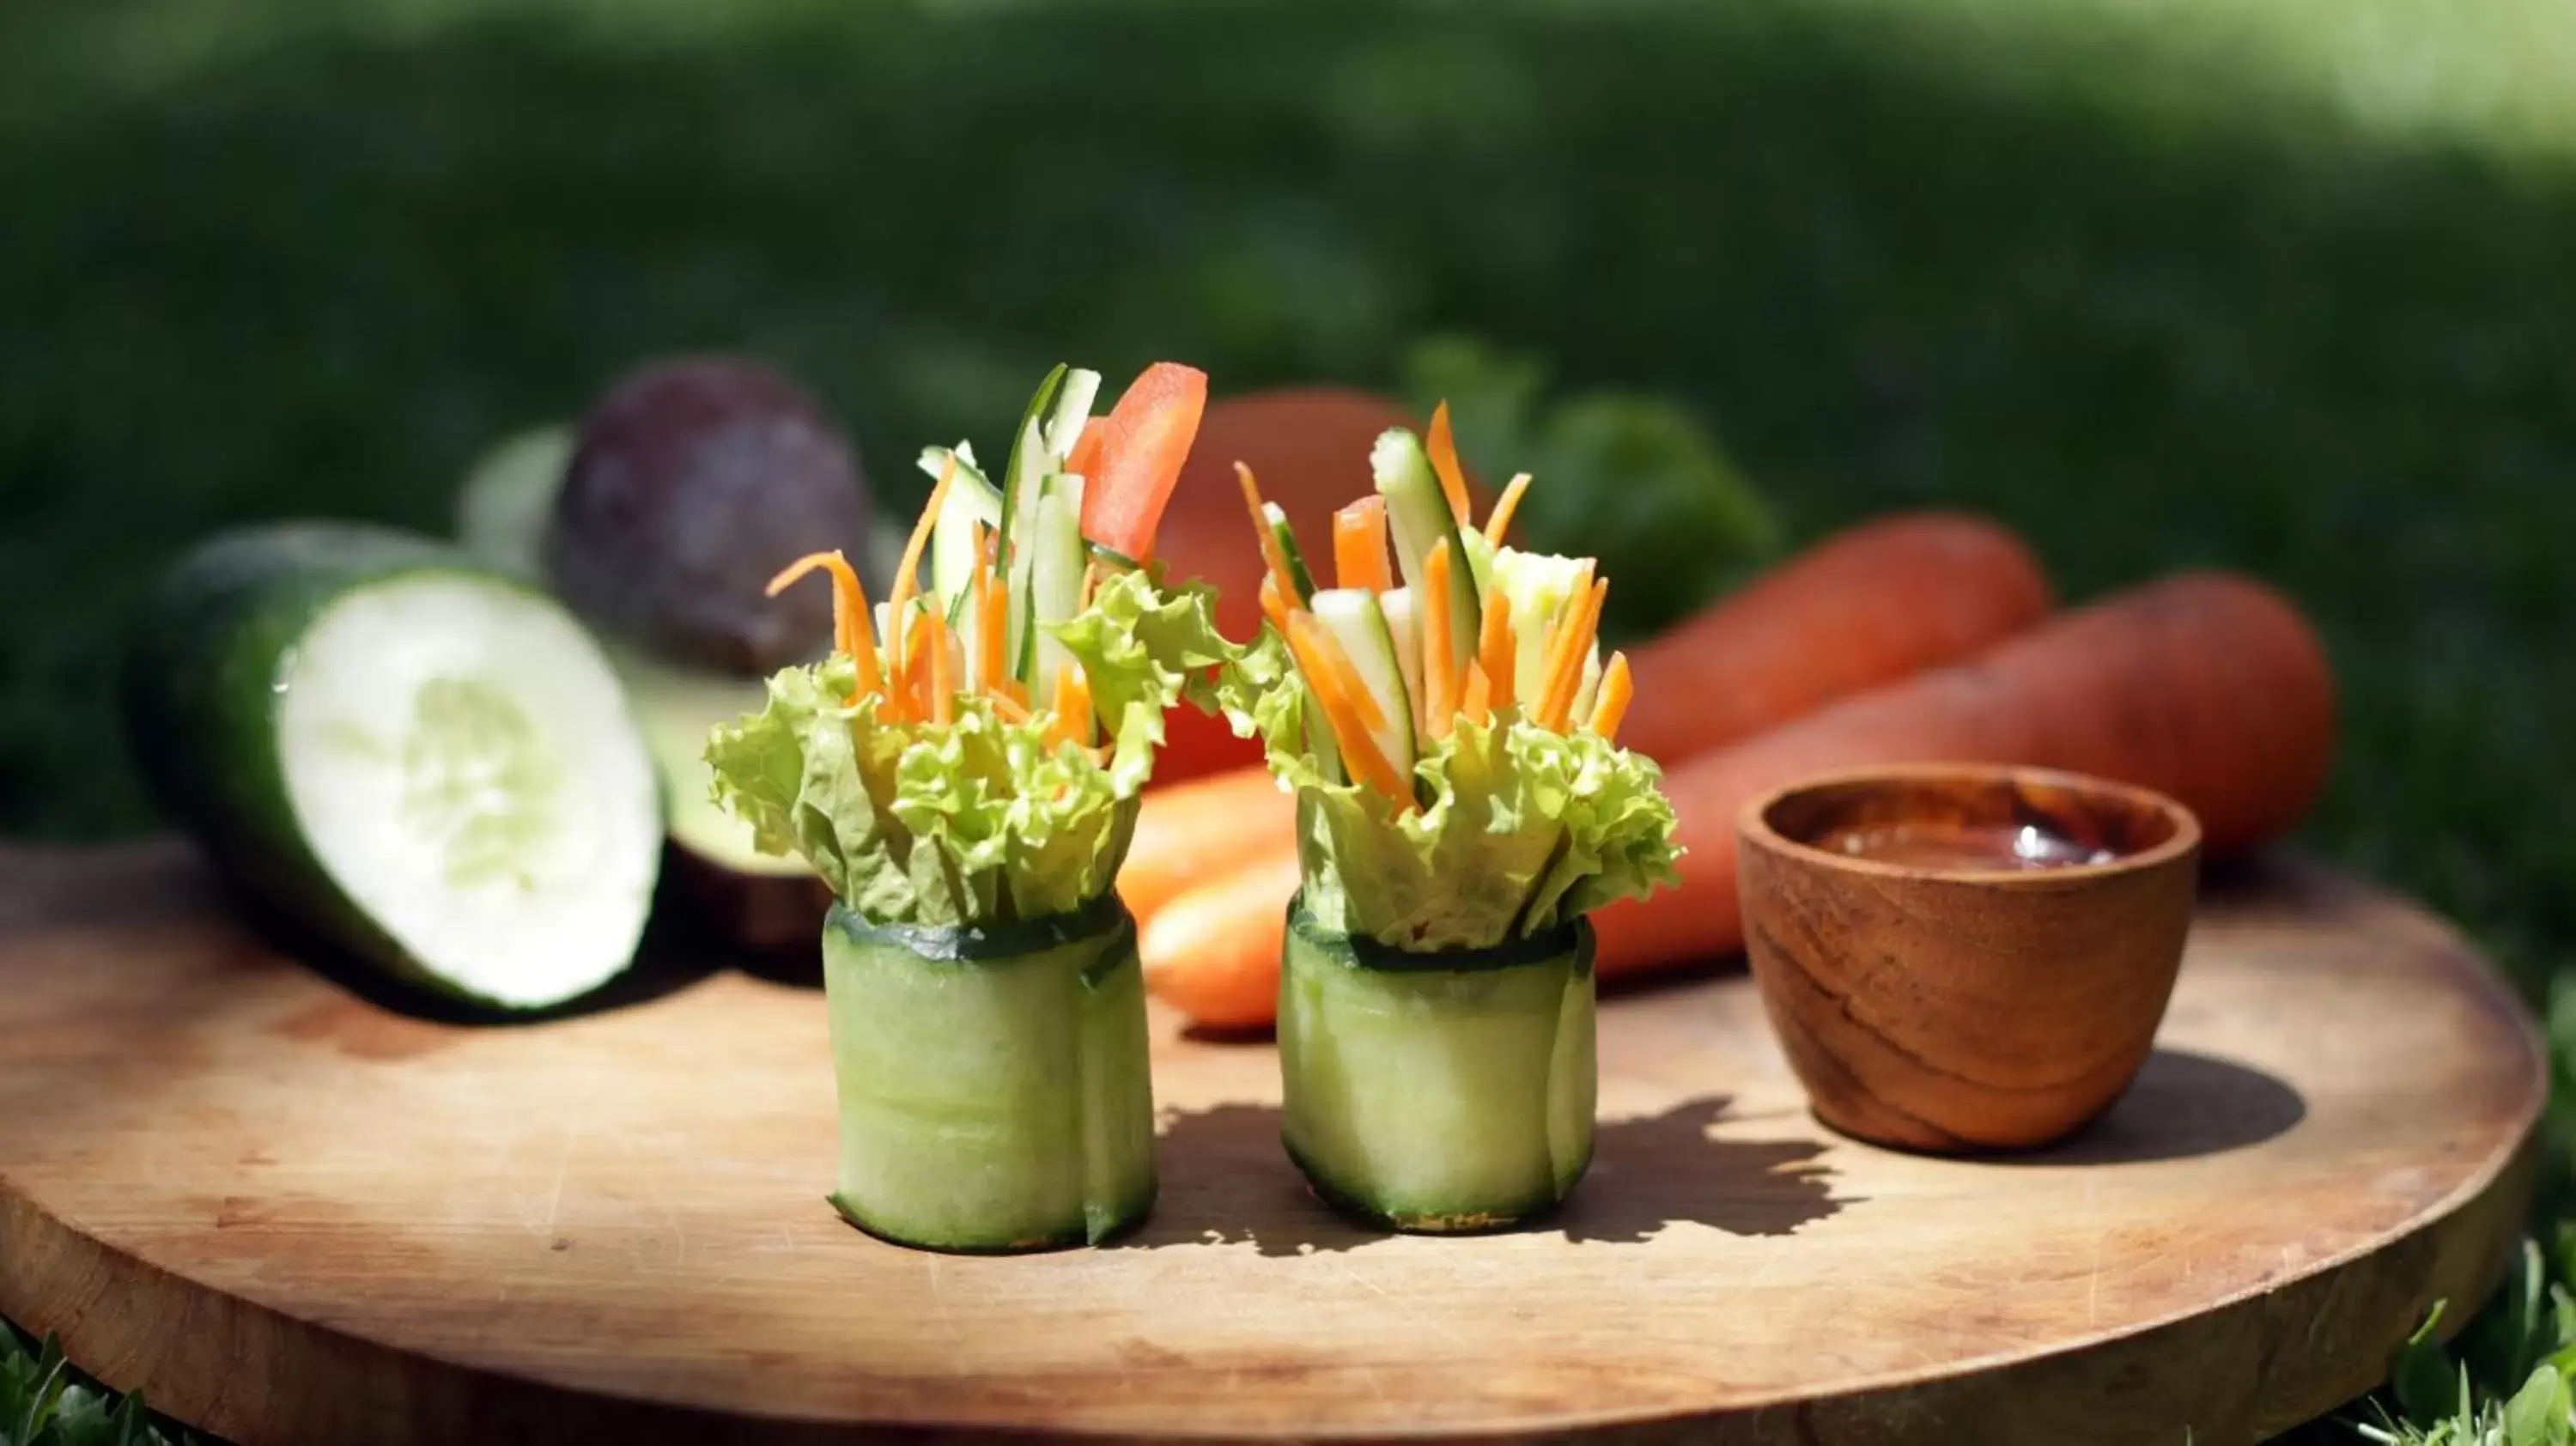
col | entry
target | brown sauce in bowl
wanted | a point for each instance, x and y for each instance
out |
(1961, 847)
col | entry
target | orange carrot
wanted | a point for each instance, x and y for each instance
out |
(1864, 607)
(1439, 650)
(1443, 448)
(851, 631)
(992, 628)
(1273, 606)
(943, 680)
(1213, 953)
(1617, 689)
(1476, 700)
(1572, 648)
(1497, 653)
(907, 578)
(1359, 545)
(1271, 555)
(1500, 524)
(1191, 832)
(1334, 681)
(1072, 705)
(2206, 687)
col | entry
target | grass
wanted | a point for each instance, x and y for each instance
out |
(2283, 285)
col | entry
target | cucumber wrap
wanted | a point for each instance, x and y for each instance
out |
(994, 1093)
(1437, 1093)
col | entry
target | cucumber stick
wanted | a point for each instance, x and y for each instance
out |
(972, 502)
(418, 760)
(1404, 627)
(1417, 512)
(1437, 1092)
(1057, 563)
(1356, 622)
(994, 1094)
(1300, 577)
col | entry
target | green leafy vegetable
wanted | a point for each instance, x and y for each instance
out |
(1521, 829)
(44, 1402)
(980, 819)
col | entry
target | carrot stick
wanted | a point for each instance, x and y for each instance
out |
(1443, 448)
(1864, 607)
(851, 631)
(2207, 687)
(992, 628)
(1500, 523)
(1439, 650)
(907, 578)
(1213, 953)
(1476, 700)
(1188, 833)
(1617, 689)
(1008, 709)
(943, 679)
(1273, 606)
(1497, 653)
(1565, 663)
(1271, 556)
(1359, 545)
(1072, 705)
(1334, 681)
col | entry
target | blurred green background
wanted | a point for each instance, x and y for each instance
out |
(2283, 285)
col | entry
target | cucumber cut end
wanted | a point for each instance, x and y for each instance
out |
(463, 766)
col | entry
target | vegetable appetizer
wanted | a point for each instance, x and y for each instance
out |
(962, 770)
(1462, 805)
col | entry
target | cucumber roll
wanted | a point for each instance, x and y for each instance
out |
(1462, 807)
(962, 772)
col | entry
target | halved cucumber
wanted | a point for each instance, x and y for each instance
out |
(1437, 1092)
(502, 510)
(762, 901)
(1352, 616)
(994, 1092)
(427, 763)
(1418, 513)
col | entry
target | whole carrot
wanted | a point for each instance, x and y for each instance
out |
(1213, 952)
(1195, 832)
(2206, 686)
(1866, 606)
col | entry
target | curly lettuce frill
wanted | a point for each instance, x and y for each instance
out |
(1521, 829)
(978, 820)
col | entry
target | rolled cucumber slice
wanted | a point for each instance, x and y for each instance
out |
(994, 1094)
(420, 760)
(1437, 1093)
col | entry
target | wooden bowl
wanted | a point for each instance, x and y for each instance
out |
(1964, 1009)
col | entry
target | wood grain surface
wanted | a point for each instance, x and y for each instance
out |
(298, 1215)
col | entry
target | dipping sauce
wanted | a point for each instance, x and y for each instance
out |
(1962, 847)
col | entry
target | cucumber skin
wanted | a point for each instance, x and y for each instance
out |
(1019, 1144)
(200, 692)
(1322, 974)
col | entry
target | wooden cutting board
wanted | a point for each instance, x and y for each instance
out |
(298, 1216)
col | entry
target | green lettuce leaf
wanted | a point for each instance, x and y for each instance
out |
(977, 820)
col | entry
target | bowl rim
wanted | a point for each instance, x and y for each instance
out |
(1753, 824)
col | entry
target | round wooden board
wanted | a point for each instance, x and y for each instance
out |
(299, 1216)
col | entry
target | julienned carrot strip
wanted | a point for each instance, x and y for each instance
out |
(1497, 651)
(1072, 705)
(1273, 606)
(1565, 656)
(1359, 545)
(851, 631)
(1439, 650)
(917, 637)
(1617, 687)
(1443, 448)
(1271, 556)
(907, 578)
(1499, 524)
(1008, 709)
(992, 628)
(943, 676)
(1213, 953)
(1333, 680)
(1476, 700)
(2207, 687)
